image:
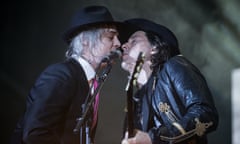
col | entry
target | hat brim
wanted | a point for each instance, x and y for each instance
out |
(125, 30)
(75, 30)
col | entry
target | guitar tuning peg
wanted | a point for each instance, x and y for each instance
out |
(135, 75)
(138, 68)
(134, 82)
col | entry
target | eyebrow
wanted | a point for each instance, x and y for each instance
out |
(134, 37)
(112, 31)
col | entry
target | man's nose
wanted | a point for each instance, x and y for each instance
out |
(117, 43)
(125, 46)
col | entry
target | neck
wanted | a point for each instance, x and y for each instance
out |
(90, 60)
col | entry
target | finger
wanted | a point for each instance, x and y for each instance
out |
(126, 135)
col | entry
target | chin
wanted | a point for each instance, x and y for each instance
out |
(125, 66)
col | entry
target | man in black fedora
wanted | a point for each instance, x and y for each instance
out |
(58, 96)
(173, 103)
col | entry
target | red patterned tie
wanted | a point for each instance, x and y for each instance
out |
(95, 105)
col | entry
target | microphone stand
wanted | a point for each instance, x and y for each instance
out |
(83, 126)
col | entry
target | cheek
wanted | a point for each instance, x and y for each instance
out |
(134, 54)
(124, 66)
(104, 49)
(107, 46)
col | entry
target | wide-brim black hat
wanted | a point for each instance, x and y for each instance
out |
(88, 17)
(163, 32)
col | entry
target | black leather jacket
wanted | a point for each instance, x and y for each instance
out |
(176, 104)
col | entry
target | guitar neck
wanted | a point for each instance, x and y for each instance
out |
(130, 86)
(130, 124)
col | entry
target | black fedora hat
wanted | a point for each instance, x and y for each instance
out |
(163, 32)
(86, 18)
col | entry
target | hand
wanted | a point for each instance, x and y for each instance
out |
(140, 138)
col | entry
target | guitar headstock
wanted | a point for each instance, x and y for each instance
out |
(136, 70)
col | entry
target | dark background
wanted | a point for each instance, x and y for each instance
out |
(208, 33)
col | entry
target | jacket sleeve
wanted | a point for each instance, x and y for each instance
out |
(47, 105)
(196, 114)
(194, 94)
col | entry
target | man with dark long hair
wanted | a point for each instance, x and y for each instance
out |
(173, 103)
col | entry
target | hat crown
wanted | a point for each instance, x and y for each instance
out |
(87, 17)
(146, 25)
(90, 15)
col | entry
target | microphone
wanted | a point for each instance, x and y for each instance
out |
(113, 55)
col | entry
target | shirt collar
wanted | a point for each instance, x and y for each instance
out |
(88, 69)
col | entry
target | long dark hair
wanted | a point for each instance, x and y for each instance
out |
(163, 51)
